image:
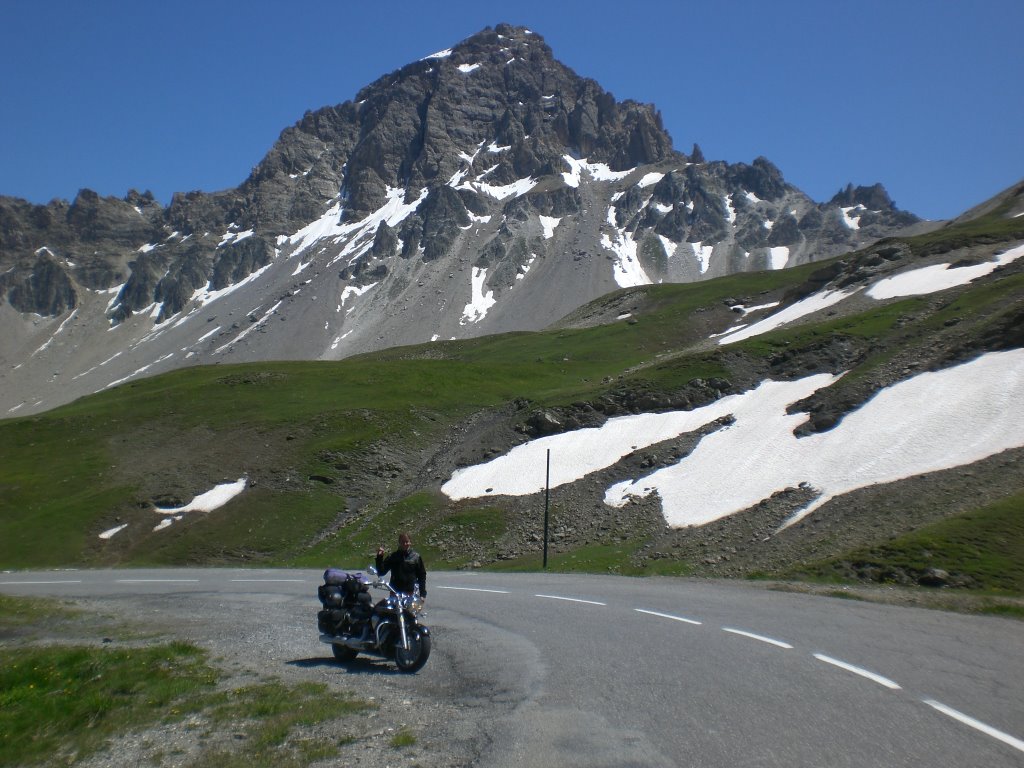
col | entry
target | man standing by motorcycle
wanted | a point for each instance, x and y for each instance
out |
(406, 566)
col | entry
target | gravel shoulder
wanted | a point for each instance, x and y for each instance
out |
(253, 639)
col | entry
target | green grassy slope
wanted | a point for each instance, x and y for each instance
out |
(335, 451)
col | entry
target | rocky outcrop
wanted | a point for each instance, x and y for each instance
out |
(45, 289)
(874, 197)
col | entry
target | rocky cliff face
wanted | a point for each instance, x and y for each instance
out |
(482, 189)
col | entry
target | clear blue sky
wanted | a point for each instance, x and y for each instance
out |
(925, 96)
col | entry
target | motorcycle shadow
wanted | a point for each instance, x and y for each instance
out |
(360, 665)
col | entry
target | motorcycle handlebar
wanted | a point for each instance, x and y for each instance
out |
(379, 583)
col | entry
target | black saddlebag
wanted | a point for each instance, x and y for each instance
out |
(338, 591)
(333, 621)
(346, 601)
(331, 596)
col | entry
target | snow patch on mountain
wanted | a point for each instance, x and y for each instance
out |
(730, 210)
(808, 306)
(548, 223)
(329, 226)
(778, 257)
(207, 295)
(914, 282)
(626, 267)
(56, 333)
(481, 302)
(351, 291)
(109, 534)
(938, 277)
(851, 221)
(213, 499)
(525, 268)
(497, 191)
(232, 236)
(650, 179)
(139, 371)
(933, 421)
(703, 255)
(669, 246)
(598, 171)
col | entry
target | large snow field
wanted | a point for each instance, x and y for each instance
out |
(930, 422)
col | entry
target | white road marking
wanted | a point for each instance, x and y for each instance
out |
(474, 589)
(571, 599)
(976, 724)
(762, 638)
(858, 671)
(157, 581)
(79, 581)
(270, 581)
(667, 616)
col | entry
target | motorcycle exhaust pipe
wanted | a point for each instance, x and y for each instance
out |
(349, 642)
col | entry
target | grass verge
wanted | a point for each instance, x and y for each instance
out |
(60, 704)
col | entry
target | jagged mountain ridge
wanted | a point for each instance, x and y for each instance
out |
(483, 189)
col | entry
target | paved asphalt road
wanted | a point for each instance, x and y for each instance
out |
(605, 671)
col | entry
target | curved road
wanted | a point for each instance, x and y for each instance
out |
(607, 671)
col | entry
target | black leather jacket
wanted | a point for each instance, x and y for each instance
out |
(406, 570)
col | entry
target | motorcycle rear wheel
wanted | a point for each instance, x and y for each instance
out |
(412, 660)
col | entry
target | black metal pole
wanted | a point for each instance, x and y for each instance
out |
(547, 498)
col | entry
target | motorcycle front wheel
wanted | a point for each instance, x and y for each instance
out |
(413, 659)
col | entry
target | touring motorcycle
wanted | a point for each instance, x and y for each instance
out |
(351, 624)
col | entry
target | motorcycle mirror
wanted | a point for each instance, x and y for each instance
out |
(372, 569)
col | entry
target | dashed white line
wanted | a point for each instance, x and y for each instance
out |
(474, 589)
(4, 583)
(668, 616)
(858, 671)
(976, 724)
(762, 638)
(571, 599)
(269, 581)
(157, 581)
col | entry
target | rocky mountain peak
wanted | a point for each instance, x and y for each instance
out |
(480, 189)
(501, 88)
(873, 198)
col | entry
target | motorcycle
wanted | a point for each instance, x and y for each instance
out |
(390, 629)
